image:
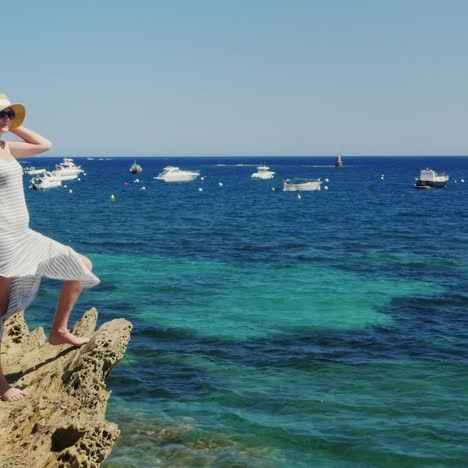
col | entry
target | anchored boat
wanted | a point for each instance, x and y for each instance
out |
(338, 161)
(47, 181)
(174, 174)
(430, 179)
(263, 172)
(67, 167)
(136, 168)
(300, 185)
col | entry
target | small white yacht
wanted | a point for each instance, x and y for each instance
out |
(67, 167)
(263, 172)
(174, 174)
(47, 181)
(299, 185)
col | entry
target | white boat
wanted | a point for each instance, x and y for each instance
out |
(174, 174)
(430, 179)
(67, 166)
(299, 185)
(32, 171)
(263, 172)
(47, 181)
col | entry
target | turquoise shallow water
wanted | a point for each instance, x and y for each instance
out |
(275, 331)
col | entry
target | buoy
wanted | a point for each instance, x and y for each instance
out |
(326, 180)
(220, 184)
(64, 186)
(84, 173)
(299, 196)
(143, 188)
(79, 180)
(202, 178)
(462, 180)
(70, 191)
(200, 189)
(112, 197)
(325, 187)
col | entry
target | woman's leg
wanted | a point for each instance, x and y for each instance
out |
(4, 292)
(69, 294)
(7, 393)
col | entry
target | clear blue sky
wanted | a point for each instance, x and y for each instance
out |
(241, 77)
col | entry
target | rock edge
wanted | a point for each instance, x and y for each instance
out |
(62, 421)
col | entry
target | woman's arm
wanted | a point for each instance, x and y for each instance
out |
(32, 143)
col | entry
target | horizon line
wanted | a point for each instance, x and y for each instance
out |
(253, 156)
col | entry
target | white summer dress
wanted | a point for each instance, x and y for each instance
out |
(25, 255)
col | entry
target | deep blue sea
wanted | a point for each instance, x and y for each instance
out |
(270, 330)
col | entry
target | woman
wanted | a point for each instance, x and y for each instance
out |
(25, 255)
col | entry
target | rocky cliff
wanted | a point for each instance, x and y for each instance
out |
(62, 421)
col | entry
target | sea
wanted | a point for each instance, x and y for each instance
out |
(271, 328)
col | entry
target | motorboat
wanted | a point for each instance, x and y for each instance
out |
(32, 171)
(299, 185)
(263, 172)
(68, 167)
(430, 179)
(47, 181)
(136, 168)
(174, 174)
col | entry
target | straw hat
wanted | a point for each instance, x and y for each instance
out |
(19, 109)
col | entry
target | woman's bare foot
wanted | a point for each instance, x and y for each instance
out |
(59, 337)
(13, 394)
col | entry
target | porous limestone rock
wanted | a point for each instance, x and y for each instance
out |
(62, 421)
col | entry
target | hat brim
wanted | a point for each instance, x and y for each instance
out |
(20, 114)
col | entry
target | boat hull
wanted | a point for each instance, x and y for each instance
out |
(46, 185)
(178, 178)
(311, 186)
(65, 176)
(427, 184)
(265, 176)
(34, 172)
